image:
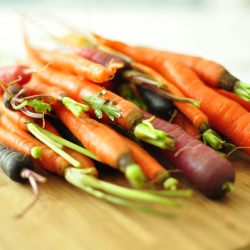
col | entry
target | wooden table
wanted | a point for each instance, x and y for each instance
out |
(67, 218)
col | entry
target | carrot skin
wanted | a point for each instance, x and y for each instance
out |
(204, 167)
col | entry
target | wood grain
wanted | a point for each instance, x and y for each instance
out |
(67, 218)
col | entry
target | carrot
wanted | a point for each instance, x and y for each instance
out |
(48, 160)
(210, 72)
(77, 65)
(151, 168)
(208, 170)
(84, 161)
(102, 141)
(196, 116)
(234, 97)
(185, 124)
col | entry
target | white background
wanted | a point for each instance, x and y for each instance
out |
(218, 30)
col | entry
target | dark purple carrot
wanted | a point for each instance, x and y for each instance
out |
(211, 172)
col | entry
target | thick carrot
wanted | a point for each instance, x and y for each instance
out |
(185, 124)
(105, 143)
(49, 160)
(151, 168)
(235, 98)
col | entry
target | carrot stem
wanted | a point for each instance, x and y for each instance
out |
(242, 90)
(36, 152)
(212, 139)
(122, 192)
(146, 132)
(171, 184)
(68, 144)
(172, 193)
(78, 181)
(75, 107)
(34, 129)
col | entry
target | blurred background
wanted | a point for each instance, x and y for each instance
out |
(216, 29)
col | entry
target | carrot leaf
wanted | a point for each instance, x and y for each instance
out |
(38, 105)
(101, 105)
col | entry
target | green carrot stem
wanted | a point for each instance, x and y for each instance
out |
(68, 144)
(75, 107)
(114, 200)
(242, 90)
(172, 193)
(228, 187)
(171, 184)
(20, 106)
(146, 132)
(212, 139)
(135, 175)
(34, 129)
(36, 152)
(122, 192)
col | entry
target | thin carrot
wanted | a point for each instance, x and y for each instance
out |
(185, 124)
(84, 160)
(77, 65)
(235, 98)
(210, 72)
(48, 160)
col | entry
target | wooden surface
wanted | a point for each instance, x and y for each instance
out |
(66, 218)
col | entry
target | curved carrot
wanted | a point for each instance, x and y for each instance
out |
(234, 97)
(151, 168)
(226, 116)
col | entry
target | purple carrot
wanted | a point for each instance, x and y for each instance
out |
(208, 170)
(101, 57)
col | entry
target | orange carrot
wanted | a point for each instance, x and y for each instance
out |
(181, 120)
(235, 98)
(210, 72)
(225, 115)
(77, 89)
(77, 65)
(195, 115)
(49, 160)
(84, 160)
(151, 168)
(102, 141)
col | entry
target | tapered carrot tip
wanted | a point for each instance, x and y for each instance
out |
(242, 90)
(146, 132)
(135, 175)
